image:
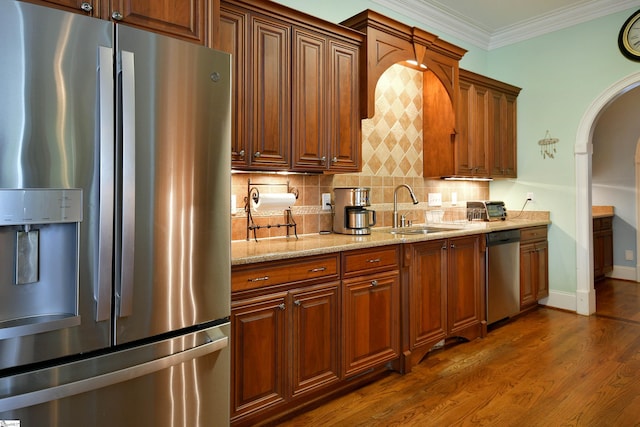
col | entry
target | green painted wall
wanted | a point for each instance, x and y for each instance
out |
(561, 74)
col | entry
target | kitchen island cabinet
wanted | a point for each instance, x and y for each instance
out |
(191, 21)
(443, 283)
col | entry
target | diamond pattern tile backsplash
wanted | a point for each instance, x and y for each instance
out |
(392, 155)
(392, 139)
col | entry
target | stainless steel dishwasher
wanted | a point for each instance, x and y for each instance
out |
(503, 275)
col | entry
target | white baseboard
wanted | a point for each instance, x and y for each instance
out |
(561, 300)
(624, 273)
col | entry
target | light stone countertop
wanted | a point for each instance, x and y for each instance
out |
(249, 252)
(602, 211)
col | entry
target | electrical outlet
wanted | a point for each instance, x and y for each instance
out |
(530, 196)
(326, 201)
(628, 255)
(435, 199)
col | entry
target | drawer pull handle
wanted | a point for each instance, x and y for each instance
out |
(374, 283)
(318, 270)
(372, 261)
(258, 279)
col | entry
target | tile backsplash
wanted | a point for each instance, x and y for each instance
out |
(392, 153)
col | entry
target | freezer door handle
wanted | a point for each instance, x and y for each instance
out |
(87, 384)
(125, 296)
(102, 290)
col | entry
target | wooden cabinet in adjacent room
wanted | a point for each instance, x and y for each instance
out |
(296, 97)
(534, 266)
(285, 339)
(602, 247)
(371, 308)
(443, 289)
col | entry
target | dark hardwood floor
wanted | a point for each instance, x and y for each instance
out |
(547, 368)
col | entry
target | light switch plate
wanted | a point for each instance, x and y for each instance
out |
(435, 199)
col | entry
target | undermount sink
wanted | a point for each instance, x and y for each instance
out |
(419, 230)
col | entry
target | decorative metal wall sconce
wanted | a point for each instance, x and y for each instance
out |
(548, 146)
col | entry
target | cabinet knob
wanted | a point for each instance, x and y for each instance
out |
(86, 6)
(323, 160)
(256, 154)
(334, 159)
(374, 283)
(281, 306)
(444, 247)
(453, 246)
(241, 154)
(297, 302)
(117, 16)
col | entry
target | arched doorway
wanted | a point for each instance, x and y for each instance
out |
(585, 294)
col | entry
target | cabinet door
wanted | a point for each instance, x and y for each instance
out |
(309, 104)
(315, 337)
(233, 32)
(270, 100)
(428, 293)
(472, 147)
(177, 18)
(542, 270)
(439, 127)
(89, 8)
(258, 354)
(528, 273)
(465, 285)
(371, 321)
(345, 141)
(503, 135)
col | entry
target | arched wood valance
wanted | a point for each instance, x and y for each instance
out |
(390, 42)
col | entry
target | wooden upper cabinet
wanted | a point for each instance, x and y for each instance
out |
(486, 134)
(185, 19)
(439, 128)
(296, 93)
(89, 8)
(270, 101)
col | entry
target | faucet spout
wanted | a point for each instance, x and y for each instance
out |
(414, 199)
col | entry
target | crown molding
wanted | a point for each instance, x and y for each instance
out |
(467, 29)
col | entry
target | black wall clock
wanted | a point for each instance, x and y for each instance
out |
(629, 37)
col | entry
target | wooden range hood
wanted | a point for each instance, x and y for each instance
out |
(390, 42)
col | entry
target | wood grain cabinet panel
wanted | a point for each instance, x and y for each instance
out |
(443, 288)
(602, 247)
(534, 266)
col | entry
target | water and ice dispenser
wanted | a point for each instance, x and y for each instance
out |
(39, 257)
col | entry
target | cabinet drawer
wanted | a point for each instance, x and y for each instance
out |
(370, 260)
(281, 272)
(533, 233)
(602, 223)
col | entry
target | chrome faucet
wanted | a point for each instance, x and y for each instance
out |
(395, 202)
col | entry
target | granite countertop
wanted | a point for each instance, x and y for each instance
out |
(601, 211)
(248, 252)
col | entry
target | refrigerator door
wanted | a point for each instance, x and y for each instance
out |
(182, 381)
(173, 216)
(52, 138)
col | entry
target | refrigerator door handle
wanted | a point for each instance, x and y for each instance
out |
(87, 384)
(102, 294)
(125, 306)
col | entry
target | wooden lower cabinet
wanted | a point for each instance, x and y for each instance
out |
(371, 321)
(443, 288)
(284, 345)
(602, 247)
(534, 266)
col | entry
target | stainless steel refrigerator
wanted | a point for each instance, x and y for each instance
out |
(114, 224)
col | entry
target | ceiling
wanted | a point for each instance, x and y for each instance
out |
(490, 24)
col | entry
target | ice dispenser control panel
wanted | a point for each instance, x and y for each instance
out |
(40, 206)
